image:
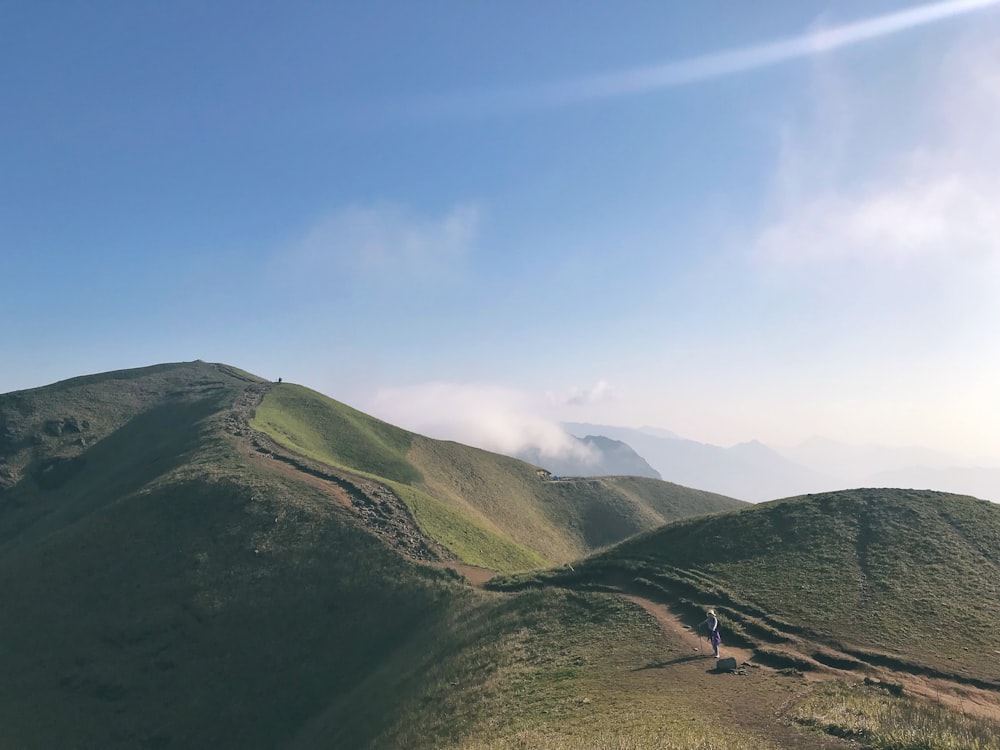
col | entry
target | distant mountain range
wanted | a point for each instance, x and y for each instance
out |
(753, 471)
(859, 462)
(750, 471)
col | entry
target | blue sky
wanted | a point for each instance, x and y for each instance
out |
(735, 221)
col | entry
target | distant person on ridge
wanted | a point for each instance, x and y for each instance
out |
(712, 623)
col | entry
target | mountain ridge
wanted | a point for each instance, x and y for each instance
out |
(174, 576)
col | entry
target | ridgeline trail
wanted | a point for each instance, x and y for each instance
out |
(379, 509)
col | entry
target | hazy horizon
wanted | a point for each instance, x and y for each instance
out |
(752, 223)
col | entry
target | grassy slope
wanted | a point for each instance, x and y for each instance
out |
(489, 509)
(129, 428)
(908, 573)
(195, 598)
(544, 669)
(173, 592)
(329, 432)
(333, 433)
(566, 518)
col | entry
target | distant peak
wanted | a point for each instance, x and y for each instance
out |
(659, 432)
(752, 446)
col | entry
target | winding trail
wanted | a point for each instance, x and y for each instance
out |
(755, 699)
(959, 695)
(678, 628)
(384, 514)
(671, 625)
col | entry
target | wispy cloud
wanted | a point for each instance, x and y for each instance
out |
(882, 254)
(388, 242)
(641, 80)
(928, 213)
(935, 201)
(491, 417)
(599, 392)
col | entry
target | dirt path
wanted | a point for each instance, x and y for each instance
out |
(758, 697)
(477, 576)
(754, 699)
(671, 625)
(965, 699)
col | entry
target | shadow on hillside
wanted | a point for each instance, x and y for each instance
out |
(61, 490)
(672, 662)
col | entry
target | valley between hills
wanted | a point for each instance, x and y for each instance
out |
(192, 556)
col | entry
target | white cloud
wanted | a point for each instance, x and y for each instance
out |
(495, 418)
(388, 241)
(814, 42)
(923, 214)
(933, 203)
(881, 252)
(599, 392)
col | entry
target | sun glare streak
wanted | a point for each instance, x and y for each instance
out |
(707, 67)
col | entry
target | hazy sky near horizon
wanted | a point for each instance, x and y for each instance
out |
(734, 221)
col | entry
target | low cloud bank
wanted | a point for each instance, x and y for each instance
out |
(494, 418)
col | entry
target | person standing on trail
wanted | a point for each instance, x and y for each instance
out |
(712, 623)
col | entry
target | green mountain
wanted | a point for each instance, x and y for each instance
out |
(193, 557)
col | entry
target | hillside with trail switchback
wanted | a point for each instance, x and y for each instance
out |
(902, 579)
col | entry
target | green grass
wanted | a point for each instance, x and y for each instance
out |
(469, 541)
(882, 721)
(490, 510)
(64, 419)
(504, 492)
(216, 612)
(173, 591)
(330, 432)
(562, 520)
(165, 587)
(128, 430)
(911, 575)
(662, 735)
(541, 669)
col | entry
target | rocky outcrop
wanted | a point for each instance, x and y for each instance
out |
(65, 426)
(7, 478)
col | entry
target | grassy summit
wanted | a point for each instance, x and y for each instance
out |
(164, 588)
